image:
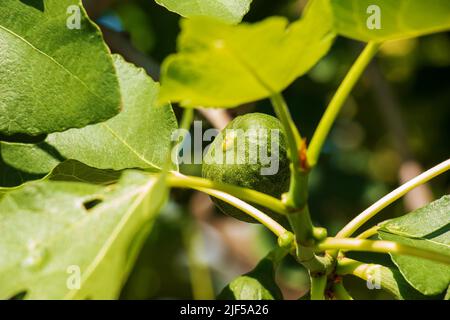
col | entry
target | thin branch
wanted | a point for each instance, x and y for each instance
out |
(318, 286)
(182, 181)
(296, 196)
(368, 233)
(186, 119)
(340, 292)
(381, 246)
(370, 212)
(258, 215)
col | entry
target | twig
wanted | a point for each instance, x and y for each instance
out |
(382, 246)
(370, 212)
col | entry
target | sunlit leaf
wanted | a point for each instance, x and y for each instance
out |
(219, 65)
(427, 228)
(382, 20)
(51, 230)
(53, 75)
(72, 170)
(230, 11)
(377, 271)
(139, 137)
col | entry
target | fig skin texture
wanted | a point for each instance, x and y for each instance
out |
(242, 171)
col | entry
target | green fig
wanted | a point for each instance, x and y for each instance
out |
(249, 152)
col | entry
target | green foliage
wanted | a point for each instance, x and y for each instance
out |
(428, 228)
(34, 162)
(239, 165)
(398, 19)
(51, 77)
(72, 170)
(230, 11)
(30, 158)
(48, 226)
(218, 65)
(390, 278)
(76, 118)
(139, 137)
(258, 284)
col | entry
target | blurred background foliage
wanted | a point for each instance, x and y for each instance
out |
(395, 123)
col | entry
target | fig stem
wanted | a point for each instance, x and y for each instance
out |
(318, 286)
(297, 195)
(340, 292)
(370, 212)
(381, 246)
(179, 180)
(257, 214)
(368, 233)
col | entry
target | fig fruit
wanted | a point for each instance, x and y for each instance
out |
(249, 152)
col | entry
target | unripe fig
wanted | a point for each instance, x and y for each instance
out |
(250, 152)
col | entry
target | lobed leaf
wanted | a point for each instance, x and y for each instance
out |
(385, 273)
(49, 229)
(230, 11)
(220, 65)
(52, 77)
(392, 281)
(72, 170)
(10, 177)
(398, 19)
(258, 284)
(427, 228)
(139, 137)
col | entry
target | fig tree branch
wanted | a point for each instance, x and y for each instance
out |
(381, 246)
(370, 212)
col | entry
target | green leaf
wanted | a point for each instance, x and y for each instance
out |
(72, 170)
(423, 222)
(34, 159)
(219, 65)
(398, 19)
(427, 228)
(139, 137)
(390, 278)
(69, 170)
(50, 230)
(230, 11)
(258, 284)
(430, 278)
(10, 176)
(392, 281)
(52, 77)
